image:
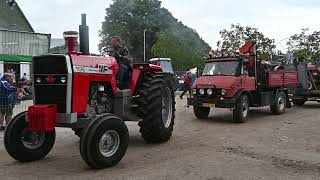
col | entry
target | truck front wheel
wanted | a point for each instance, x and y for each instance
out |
(201, 112)
(241, 110)
(279, 106)
(24, 145)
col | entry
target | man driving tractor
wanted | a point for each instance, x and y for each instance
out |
(120, 53)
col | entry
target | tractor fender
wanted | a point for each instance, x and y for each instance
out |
(138, 71)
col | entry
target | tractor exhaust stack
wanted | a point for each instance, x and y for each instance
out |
(84, 35)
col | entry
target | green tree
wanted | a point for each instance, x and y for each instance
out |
(237, 35)
(129, 18)
(183, 45)
(306, 46)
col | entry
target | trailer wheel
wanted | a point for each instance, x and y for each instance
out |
(201, 112)
(279, 107)
(156, 108)
(299, 102)
(241, 111)
(26, 146)
(104, 142)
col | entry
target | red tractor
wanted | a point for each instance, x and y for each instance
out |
(238, 81)
(79, 91)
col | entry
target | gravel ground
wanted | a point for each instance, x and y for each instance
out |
(266, 147)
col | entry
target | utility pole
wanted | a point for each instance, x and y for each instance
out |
(144, 45)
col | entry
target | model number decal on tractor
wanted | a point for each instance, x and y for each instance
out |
(101, 69)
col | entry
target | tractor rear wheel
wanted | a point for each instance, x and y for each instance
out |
(280, 104)
(26, 146)
(241, 110)
(201, 112)
(299, 102)
(104, 142)
(156, 108)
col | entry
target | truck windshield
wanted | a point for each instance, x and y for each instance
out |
(226, 68)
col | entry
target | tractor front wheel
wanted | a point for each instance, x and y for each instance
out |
(104, 142)
(201, 112)
(156, 108)
(24, 145)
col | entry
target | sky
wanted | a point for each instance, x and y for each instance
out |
(277, 19)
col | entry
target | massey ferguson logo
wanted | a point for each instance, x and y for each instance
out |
(102, 68)
(50, 79)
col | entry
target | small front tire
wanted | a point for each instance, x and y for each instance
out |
(104, 142)
(26, 146)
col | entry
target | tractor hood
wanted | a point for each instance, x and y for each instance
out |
(220, 82)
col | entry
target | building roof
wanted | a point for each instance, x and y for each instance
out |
(12, 17)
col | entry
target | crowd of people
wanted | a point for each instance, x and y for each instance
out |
(12, 92)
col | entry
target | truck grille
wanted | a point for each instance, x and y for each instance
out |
(48, 89)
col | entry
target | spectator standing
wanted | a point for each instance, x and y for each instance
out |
(187, 84)
(7, 99)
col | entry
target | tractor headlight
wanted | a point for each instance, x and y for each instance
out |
(209, 92)
(201, 91)
(63, 79)
(223, 92)
(315, 73)
(38, 80)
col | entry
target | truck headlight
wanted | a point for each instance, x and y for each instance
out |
(209, 92)
(38, 80)
(63, 79)
(201, 91)
(194, 91)
(223, 92)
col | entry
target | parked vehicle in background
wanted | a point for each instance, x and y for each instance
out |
(166, 65)
(309, 84)
(238, 81)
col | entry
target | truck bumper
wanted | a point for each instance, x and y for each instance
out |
(218, 103)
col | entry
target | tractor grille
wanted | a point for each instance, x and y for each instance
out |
(48, 87)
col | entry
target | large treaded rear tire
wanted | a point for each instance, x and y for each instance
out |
(91, 141)
(17, 145)
(154, 127)
(201, 112)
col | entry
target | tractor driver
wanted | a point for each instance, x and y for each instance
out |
(120, 53)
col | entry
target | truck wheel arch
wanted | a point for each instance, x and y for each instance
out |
(243, 91)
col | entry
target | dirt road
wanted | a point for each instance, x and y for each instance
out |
(266, 147)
